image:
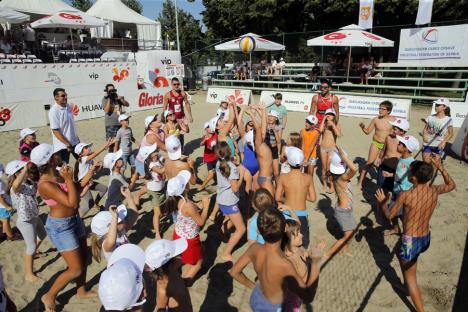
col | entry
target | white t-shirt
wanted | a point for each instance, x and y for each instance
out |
(84, 166)
(435, 131)
(61, 118)
(156, 183)
(3, 193)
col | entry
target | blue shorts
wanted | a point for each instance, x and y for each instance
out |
(128, 158)
(259, 303)
(211, 165)
(64, 233)
(411, 247)
(5, 214)
(140, 167)
(229, 209)
(433, 149)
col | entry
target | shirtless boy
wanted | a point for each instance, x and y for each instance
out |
(381, 125)
(330, 131)
(418, 204)
(273, 268)
(297, 187)
(175, 161)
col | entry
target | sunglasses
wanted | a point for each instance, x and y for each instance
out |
(176, 84)
(382, 108)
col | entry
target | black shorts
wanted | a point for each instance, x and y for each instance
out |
(274, 152)
(211, 165)
(111, 131)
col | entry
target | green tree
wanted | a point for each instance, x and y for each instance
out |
(82, 5)
(135, 5)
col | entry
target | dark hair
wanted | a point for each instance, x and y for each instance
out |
(57, 90)
(174, 79)
(171, 205)
(223, 152)
(107, 86)
(447, 111)
(421, 171)
(271, 224)
(328, 82)
(292, 227)
(262, 199)
(388, 105)
(147, 168)
(76, 169)
(278, 96)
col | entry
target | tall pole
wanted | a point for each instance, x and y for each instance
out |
(177, 25)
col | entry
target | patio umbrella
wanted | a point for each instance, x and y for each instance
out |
(69, 19)
(11, 16)
(350, 36)
(249, 43)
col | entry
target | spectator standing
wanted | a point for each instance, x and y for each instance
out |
(62, 124)
(30, 38)
(282, 113)
(112, 104)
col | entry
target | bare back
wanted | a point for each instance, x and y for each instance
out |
(173, 167)
(382, 128)
(418, 204)
(296, 187)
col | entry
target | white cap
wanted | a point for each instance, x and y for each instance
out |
(123, 117)
(168, 112)
(14, 166)
(401, 123)
(249, 137)
(173, 146)
(102, 220)
(176, 185)
(111, 158)
(161, 251)
(131, 252)
(330, 111)
(273, 113)
(145, 151)
(294, 155)
(411, 143)
(213, 122)
(80, 146)
(206, 125)
(149, 120)
(312, 119)
(442, 101)
(337, 165)
(41, 154)
(25, 132)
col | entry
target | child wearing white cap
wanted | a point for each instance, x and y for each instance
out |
(330, 130)
(23, 195)
(342, 170)
(115, 163)
(209, 141)
(109, 228)
(438, 130)
(175, 127)
(272, 137)
(82, 165)
(123, 140)
(165, 266)
(27, 143)
(6, 210)
(294, 140)
(188, 221)
(310, 138)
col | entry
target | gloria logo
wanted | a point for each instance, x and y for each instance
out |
(158, 81)
(120, 74)
(5, 115)
(54, 78)
(70, 16)
(75, 109)
(430, 35)
(146, 99)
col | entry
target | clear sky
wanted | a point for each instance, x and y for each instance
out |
(152, 8)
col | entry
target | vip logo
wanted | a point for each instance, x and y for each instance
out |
(54, 78)
(166, 61)
(93, 76)
(213, 95)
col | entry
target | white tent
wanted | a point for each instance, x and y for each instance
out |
(43, 7)
(149, 31)
(350, 36)
(261, 44)
(11, 16)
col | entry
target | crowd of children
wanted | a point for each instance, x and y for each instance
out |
(247, 158)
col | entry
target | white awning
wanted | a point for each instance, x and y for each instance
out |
(11, 16)
(350, 36)
(43, 7)
(260, 44)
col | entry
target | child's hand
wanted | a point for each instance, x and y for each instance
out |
(125, 191)
(362, 125)
(378, 162)
(317, 252)
(380, 195)
(387, 174)
(111, 141)
(283, 207)
(191, 162)
(113, 211)
(436, 161)
(66, 172)
(97, 165)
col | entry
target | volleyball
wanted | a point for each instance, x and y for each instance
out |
(247, 44)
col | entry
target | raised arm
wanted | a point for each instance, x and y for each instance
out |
(336, 107)
(19, 179)
(369, 129)
(352, 168)
(102, 148)
(449, 184)
(52, 191)
(222, 134)
(188, 107)
(240, 121)
(258, 135)
(111, 237)
(392, 212)
(199, 218)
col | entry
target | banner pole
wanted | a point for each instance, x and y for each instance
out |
(349, 64)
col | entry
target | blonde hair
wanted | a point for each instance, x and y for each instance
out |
(292, 229)
(96, 247)
(294, 139)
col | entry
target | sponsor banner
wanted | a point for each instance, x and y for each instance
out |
(147, 99)
(240, 96)
(460, 144)
(21, 115)
(366, 13)
(458, 112)
(152, 68)
(368, 107)
(293, 101)
(434, 46)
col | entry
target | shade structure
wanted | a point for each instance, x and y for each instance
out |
(11, 16)
(42, 7)
(260, 44)
(350, 36)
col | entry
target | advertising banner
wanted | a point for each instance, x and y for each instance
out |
(240, 96)
(434, 46)
(368, 107)
(458, 112)
(294, 101)
(460, 144)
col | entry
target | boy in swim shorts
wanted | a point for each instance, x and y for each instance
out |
(381, 125)
(418, 205)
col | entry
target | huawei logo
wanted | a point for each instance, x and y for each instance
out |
(75, 109)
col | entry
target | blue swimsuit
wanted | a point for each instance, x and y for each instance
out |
(250, 161)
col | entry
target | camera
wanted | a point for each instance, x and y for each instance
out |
(112, 94)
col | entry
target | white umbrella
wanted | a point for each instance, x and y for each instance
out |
(69, 19)
(11, 16)
(350, 36)
(260, 44)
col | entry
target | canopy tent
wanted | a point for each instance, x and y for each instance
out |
(116, 11)
(71, 19)
(259, 44)
(11, 16)
(43, 7)
(350, 36)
